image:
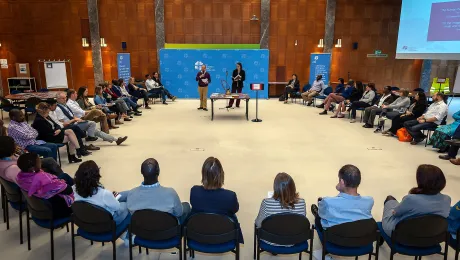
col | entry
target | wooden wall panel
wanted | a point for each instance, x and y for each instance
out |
(291, 21)
(374, 26)
(218, 21)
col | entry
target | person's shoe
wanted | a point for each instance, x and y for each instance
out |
(200, 108)
(443, 150)
(340, 116)
(385, 132)
(84, 152)
(164, 103)
(138, 106)
(353, 120)
(228, 107)
(128, 119)
(334, 116)
(138, 114)
(130, 113)
(323, 113)
(74, 159)
(92, 148)
(320, 106)
(314, 210)
(91, 138)
(113, 127)
(455, 161)
(173, 98)
(331, 108)
(120, 140)
(445, 157)
(365, 125)
(378, 130)
(205, 109)
(416, 141)
(118, 122)
(368, 126)
(147, 107)
(309, 104)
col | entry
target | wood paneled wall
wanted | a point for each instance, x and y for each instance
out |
(374, 26)
(291, 20)
(217, 21)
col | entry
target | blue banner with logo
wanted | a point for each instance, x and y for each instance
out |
(178, 69)
(124, 66)
(320, 64)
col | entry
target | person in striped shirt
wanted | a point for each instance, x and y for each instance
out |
(285, 199)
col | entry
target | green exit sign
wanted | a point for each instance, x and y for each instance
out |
(378, 52)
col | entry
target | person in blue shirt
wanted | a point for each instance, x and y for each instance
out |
(340, 87)
(348, 206)
(454, 220)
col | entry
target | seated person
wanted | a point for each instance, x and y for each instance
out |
(356, 94)
(365, 101)
(337, 98)
(138, 92)
(348, 206)
(211, 197)
(371, 112)
(133, 106)
(415, 110)
(156, 78)
(95, 114)
(292, 88)
(431, 119)
(338, 91)
(154, 88)
(8, 161)
(285, 199)
(125, 93)
(109, 108)
(66, 117)
(454, 220)
(396, 108)
(443, 133)
(87, 106)
(316, 88)
(151, 195)
(112, 97)
(453, 149)
(25, 136)
(425, 199)
(50, 131)
(88, 188)
(57, 191)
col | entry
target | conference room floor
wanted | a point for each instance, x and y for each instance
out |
(292, 138)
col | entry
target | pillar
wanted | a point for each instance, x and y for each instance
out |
(93, 15)
(264, 23)
(159, 27)
(331, 6)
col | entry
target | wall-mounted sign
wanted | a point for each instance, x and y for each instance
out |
(3, 62)
(377, 55)
(4, 66)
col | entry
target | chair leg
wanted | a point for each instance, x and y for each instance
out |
(184, 247)
(114, 250)
(73, 240)
(300, 256)
(237, 253)
(147, 250)
(102, 243)
(456, 254)
(67, 227)
(356, 257)
(255, 242)
(28, 230)
(7, 213)
(140, 249)
(52, 243)
(130, 245)
(59, 158)
(92, 242)
(21, 237)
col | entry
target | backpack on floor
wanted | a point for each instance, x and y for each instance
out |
(403, 135)
(281, 98)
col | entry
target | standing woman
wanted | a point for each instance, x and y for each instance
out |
(238, 77)
(203, 78)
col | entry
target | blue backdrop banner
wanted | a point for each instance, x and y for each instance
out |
(178, 69)
(320, 63)
(124, 66)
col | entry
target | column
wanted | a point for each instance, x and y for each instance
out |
(93, 15)
(331, 6)
(264, 23)
(425, 78)
(159, 27)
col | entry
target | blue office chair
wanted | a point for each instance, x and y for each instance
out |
(326, 93)
(418, 236)
(11, 194)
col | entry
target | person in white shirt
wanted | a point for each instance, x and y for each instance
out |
(154, 88)
(95, 115)
(66, 116)
(371, 112)
(433, 117)
(316, 88)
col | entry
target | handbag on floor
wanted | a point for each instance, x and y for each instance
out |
(403, 135)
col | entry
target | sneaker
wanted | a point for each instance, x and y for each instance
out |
(378, 130)
(173, 98)
(445, 157)
(317, 254)
(334, 116)
(353, 121)
(164, 103)
(205, 109)
(91, 138)
(120, 140)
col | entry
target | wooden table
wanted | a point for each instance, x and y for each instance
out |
(40, 95)
(240, 96)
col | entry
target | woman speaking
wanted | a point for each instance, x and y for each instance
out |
(238, 78)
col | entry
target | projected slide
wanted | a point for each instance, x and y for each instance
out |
(429, 29)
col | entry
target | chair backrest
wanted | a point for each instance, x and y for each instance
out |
(12, 191)
(306, 87)
(285, 229)
(210, 228)
(32, 102)
(394, 88)
(154, 225)
(92, 218)
(327, 91)
(423, 231)
(38, 208)
(376, 98)
(352, 234)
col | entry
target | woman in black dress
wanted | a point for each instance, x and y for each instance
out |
(238, 77)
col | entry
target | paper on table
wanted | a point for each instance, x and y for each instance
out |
(204, 80)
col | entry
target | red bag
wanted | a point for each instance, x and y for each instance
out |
(403, 135)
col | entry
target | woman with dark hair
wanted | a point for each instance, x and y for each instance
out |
(116, 88)
(211, 197)
(415, 110)
(285, 199)
(425, 199)
(156, 78)
(57, 191)
(89, 189)
(85, 104)
(238, 78)
(51, 132)
(365, 101)
(101, 97)
(138, 92)
(293, 86)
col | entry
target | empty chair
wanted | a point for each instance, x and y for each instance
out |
(351, 239)
(211, 233)
(418, 236)
(155, 230)
(31, 104)
(96, 224)
(284, 233)
(41, 212)
(12, 193)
